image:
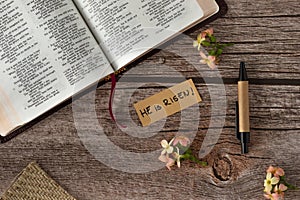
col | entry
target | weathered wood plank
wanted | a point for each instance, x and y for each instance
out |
(275, 8)
(264, 67)
(266, 36)
(267, 103)
(270, 50)
(195, 182)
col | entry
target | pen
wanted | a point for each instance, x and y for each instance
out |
(242, 110)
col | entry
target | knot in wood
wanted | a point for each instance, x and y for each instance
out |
(222, 167)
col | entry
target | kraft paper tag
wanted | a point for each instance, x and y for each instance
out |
(167, 102)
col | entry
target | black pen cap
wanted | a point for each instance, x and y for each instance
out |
(243, 73)
(245, 139)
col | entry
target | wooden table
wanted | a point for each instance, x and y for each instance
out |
(267, 36)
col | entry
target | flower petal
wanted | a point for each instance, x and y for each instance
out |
(274, 196)
(184, 143)
(170, 163)
(164, 143)
(282, 187)
(209, 31)
(200, 37)
(274, 180)
(203, 35)
(269, 176)
(211, 58)
(169, 150)
(178, 163)
(203, 55)
(211, 65)
(265, 182)
(199, 46)
(279, 172)
(271, 169)
(203, 61)
(171, 140)
(162, 158)
(268, 196)
(268, 188)
(176, 140)
(195, 43)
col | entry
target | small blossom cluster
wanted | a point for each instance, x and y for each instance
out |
(175, 150)
(275, 184)
(207, 39)
(273, 189)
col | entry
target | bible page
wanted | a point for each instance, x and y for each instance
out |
(47, 54)
(127, 29)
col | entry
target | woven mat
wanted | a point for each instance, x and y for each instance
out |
(34, 184)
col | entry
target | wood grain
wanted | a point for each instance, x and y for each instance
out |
(266, 36)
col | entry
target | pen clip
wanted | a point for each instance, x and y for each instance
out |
(237, 127)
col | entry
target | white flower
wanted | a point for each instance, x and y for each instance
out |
(269, 181)
(177, 156)
(209, 60)
(167, 147)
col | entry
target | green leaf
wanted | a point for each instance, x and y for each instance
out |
(206, 44)
(219, 52)
(230, 44)
(219, 46)
(213, 39)
(212, 52)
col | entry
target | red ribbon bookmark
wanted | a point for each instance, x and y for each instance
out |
(111, 98)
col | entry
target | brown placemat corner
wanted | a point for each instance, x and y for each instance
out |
(35, 184)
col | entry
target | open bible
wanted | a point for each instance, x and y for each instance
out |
(51, 50)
